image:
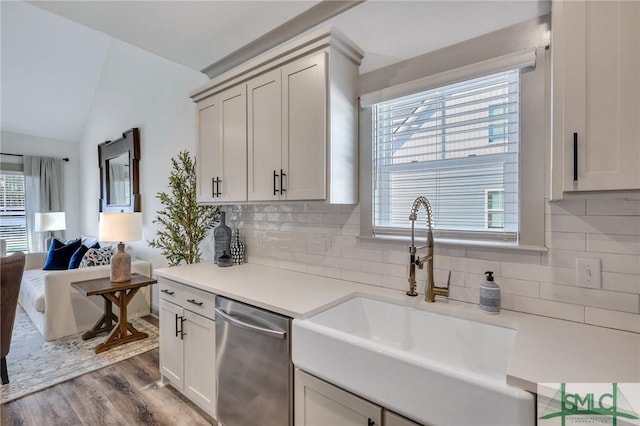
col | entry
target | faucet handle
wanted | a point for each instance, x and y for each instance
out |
(443, 291)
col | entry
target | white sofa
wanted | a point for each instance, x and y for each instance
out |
(58, 310)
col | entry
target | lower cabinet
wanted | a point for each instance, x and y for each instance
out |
(318, 403)
(187, 352)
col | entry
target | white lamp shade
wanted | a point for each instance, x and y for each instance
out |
(120, 227)
(51, 221)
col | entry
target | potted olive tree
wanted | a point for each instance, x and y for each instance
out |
(184, 222)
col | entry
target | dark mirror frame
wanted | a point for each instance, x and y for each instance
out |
(128, 143)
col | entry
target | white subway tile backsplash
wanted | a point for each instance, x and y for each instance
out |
(504, 255)
(613, 207)
(623, 244)
(590, 297)
(612, 319)
(566, 207)
(566, 240)
(323, 239)
(611, 262)
(362, 254)
(384, 269)
(546, 308)
(621, 282)
(539, 273)
(475, 266)
(617, 225)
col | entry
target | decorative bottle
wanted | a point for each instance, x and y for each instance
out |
(490, 295)
(222, 238)
(237, 248)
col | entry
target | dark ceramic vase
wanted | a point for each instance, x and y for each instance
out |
(222, 238)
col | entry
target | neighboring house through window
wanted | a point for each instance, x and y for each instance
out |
(455, 144)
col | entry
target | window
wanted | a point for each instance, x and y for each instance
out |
(12, 211)
(454, 144)
(494, 209)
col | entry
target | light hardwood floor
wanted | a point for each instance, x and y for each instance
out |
(125, 393)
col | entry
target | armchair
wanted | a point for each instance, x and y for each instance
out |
(11, 270)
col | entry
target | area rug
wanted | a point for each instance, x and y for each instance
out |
(35, 364)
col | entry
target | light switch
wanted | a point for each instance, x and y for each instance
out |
(589, 273)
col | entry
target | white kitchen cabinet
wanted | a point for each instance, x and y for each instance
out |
(596, 96)
(393, 419)
(187, 342)
(318, 403)
(287, 132)
(301, 122)
(207, 162)
(222, 147)
(264, 98)
(171, 347)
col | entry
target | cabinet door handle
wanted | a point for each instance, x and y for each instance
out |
(575, 156)
(170, 293)
(177, 331)
(275, 178)
(218, 193)
(282, 175)
(370, 422)
(194, 302)
(182, 333)
(213, 188)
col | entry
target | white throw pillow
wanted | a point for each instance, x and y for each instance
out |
(97, 257)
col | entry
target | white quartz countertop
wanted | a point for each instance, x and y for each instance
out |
(546, 350)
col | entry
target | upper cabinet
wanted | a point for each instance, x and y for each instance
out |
(287, 132)
(299, 126)
(221, 157)
(596, 96)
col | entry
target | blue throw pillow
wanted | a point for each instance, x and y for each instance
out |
(60, 255)
(76, 258)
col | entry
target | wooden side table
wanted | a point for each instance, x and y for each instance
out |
(120, 294)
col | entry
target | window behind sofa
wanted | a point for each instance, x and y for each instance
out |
(12, 211)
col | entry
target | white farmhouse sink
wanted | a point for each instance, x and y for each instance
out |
(434, 368)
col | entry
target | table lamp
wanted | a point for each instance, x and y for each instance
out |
(118, 228)
(49, 222)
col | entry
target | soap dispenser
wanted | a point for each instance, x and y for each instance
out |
(490, 295)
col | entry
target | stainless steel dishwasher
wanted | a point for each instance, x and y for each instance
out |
(253, 366)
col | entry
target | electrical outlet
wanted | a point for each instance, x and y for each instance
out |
(589, 273)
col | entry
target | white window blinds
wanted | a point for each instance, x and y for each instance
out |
(458, 146)
(12, 212)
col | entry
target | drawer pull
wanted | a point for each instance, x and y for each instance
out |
(194, 302)
(170, 293)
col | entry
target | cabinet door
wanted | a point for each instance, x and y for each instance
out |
(318, 403)
(171, 345)
(233, 145)
(393, 419)
(199, 361)
(599, 52)
(264, 95)
(304, 113)
(208, 162)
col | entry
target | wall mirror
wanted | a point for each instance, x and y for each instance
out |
(119, 173)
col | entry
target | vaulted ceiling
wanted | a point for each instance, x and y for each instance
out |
(53, 52)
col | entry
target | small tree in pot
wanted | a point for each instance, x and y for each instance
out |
(185, 222)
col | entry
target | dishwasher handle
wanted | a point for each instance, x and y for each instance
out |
(279, 334)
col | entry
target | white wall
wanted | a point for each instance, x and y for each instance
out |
(139, 89)
(18, 143)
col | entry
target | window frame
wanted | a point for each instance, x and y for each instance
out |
(534, 137)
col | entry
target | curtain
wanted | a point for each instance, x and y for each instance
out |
(44, 192)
